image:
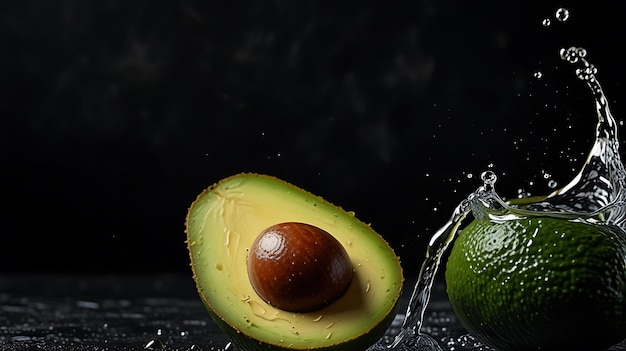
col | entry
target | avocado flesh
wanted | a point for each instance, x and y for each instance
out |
(223, 222)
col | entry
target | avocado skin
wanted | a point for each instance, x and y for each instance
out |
(248, 343)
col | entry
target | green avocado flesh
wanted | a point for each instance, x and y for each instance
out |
(223, 222)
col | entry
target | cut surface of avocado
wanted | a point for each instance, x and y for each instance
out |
(223, 222)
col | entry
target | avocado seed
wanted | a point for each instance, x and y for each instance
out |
(298, 267)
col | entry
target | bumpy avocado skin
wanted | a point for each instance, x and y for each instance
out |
(391, 277)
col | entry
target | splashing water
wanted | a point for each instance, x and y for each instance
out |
(597, 193)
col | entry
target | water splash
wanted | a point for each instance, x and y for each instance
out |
(596, 193)
(598, 189)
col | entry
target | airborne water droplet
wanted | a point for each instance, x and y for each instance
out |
(546, 22)
(538, 74)
(561, 14)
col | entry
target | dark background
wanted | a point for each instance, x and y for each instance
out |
(116, 114)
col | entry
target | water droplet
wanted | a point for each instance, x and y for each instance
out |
(538, 74)
(546, 22)
(154, 344)
(489, 177)
(561, 14)
(572, 54)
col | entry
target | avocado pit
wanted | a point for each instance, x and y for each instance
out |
(298, 267)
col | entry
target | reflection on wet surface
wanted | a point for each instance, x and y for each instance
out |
(104, 313)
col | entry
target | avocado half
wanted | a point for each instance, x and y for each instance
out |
(221, 225)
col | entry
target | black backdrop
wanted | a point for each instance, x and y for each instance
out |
(116, 114)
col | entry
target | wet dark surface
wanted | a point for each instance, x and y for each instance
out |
(108, 313)
(116, 313)
(104, 313)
